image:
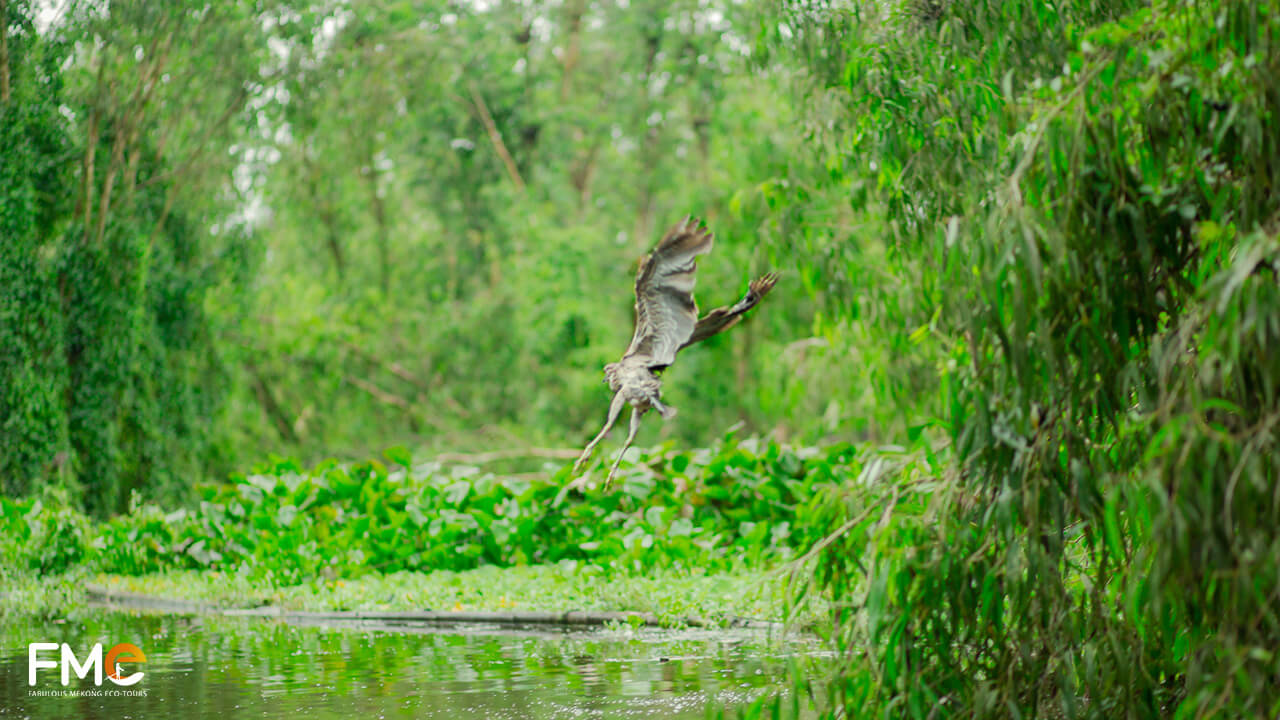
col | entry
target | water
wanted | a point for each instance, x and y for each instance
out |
(227, 668)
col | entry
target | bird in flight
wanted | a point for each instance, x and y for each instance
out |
(666, 322)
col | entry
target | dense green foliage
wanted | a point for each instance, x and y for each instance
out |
(1083, 200)
(109, 379)
(32, 380)
(284, 524)
(1031, 248)
(308, 230)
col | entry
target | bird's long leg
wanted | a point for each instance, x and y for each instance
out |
(631, 436)
(615, 408)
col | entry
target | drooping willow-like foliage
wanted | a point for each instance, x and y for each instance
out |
(1083, 200)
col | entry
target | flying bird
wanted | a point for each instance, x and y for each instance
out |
(666, 322)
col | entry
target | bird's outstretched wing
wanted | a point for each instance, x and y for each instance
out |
(665, 309)
(723, 318)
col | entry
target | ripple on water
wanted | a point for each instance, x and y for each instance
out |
(229, 668)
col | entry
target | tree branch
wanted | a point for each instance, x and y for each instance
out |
(202, 144)
(108, 184)
(267, 399)
(496, 138)
(381, 395)
(391, 366)
(393, 400)
(425, 389)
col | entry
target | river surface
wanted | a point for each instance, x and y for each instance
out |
(228, 668)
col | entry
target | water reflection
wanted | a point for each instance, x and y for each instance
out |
(229, 668)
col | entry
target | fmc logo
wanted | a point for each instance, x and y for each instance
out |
(124, 652)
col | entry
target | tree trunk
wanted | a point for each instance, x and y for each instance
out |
(582, 172)
(380, 219)
(573, 51)
(381, 235)
(325, 210)
(87, 184)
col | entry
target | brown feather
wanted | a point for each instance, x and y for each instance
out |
(666, 322)
(666, 311)
(723, 318)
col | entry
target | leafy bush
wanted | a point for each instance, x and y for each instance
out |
(46, 531)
